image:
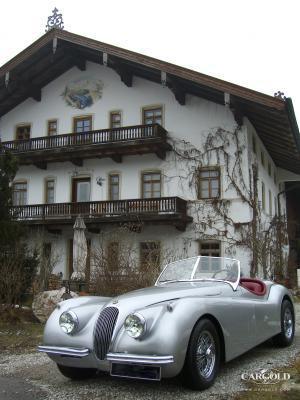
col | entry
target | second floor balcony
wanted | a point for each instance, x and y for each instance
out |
(76, 147)
(162, 210)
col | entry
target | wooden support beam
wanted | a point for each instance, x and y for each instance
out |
(77, 161)
(178, 89)
(54, 231)
(237, 111)
(161, 154)
(117, 158)
(125, 74)
(180, 226)
(93, 230)
(40, 164)
(179, 94)
(80, 63)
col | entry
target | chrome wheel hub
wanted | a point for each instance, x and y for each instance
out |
(288, 323)
(206, 354)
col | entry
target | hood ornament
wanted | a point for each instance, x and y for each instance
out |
(115, 301)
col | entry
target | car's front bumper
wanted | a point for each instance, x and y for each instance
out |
(65, 351)
(139, 359)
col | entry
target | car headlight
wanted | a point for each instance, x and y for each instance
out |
(68, 322)
(135, 325)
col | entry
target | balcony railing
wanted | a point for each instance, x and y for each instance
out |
(164, 209)
(104, 142)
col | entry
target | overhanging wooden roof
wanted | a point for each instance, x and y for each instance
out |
(38, 65)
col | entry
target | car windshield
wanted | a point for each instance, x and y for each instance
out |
(202, 268)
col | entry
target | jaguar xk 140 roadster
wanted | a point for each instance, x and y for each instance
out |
(200, 313)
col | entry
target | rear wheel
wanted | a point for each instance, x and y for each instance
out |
(77, 374)
(286, 336)
(203, 356)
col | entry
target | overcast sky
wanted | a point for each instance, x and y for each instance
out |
(253, 43)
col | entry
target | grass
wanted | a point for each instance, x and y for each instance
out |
(288, 390)
(20, 332)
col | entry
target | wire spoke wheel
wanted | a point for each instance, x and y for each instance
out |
(203, 356)
(206, 354)
(288, 323)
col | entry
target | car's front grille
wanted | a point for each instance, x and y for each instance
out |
(104, 330)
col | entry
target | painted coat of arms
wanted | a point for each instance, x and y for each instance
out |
(82, 93)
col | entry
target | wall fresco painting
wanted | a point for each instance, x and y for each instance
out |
(82, 93)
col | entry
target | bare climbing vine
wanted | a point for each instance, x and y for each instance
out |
(264, 238)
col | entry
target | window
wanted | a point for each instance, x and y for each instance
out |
(275, 178)
(275, 205)
(269, 169)
(23, 132)
(270, 203)
(262, 156)
(20, 193)
(151, 185)
(115, 119)
(210, 248)
(81, 190)
(149, 255)
(114, 187)
(52, 127)
(263, 196)
(254, 144)
(152, 115)
(82, 124)
(49, 191)
(209, 183)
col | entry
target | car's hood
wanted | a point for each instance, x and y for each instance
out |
(156, 294)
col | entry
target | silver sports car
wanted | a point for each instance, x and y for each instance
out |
(199, 313)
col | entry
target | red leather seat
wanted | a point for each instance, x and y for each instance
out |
(254, 286)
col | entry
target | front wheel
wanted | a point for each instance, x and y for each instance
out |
(77, 374)
(203, 356)
(286, 336)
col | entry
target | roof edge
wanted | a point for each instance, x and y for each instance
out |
(293, 121)
(179, 71)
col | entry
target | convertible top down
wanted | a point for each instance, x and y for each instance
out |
(199, 313)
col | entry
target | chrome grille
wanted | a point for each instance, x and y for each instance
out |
(104, 330)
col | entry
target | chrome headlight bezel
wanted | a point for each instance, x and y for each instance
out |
(131, 326)
(73, 321)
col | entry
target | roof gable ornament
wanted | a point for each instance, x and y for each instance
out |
(54, 21)
(280, 95)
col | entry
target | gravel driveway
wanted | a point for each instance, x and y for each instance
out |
(34, 376)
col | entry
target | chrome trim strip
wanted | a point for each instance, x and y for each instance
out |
(138, 359)
(64, 351)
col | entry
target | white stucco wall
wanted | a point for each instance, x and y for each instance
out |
(190, 123)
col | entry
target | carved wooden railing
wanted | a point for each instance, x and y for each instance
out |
(103, 136)
(162, 206)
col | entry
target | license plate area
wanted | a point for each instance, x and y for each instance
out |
(136, 371)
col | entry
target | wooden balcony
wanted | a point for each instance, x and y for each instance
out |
(163, 210)
(75, 147)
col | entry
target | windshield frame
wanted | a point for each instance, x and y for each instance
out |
(234, 285)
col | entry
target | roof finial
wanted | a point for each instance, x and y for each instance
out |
(54, 21)
(280, 95)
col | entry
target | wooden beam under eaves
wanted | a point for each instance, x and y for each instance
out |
(78, 162)
(117, 158)
(125, 74)
(178, 90)
(40, 164)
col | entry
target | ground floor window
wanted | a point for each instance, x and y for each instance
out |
(210, 248)
(149, 254)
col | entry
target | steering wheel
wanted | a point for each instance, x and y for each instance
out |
(220, 270)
